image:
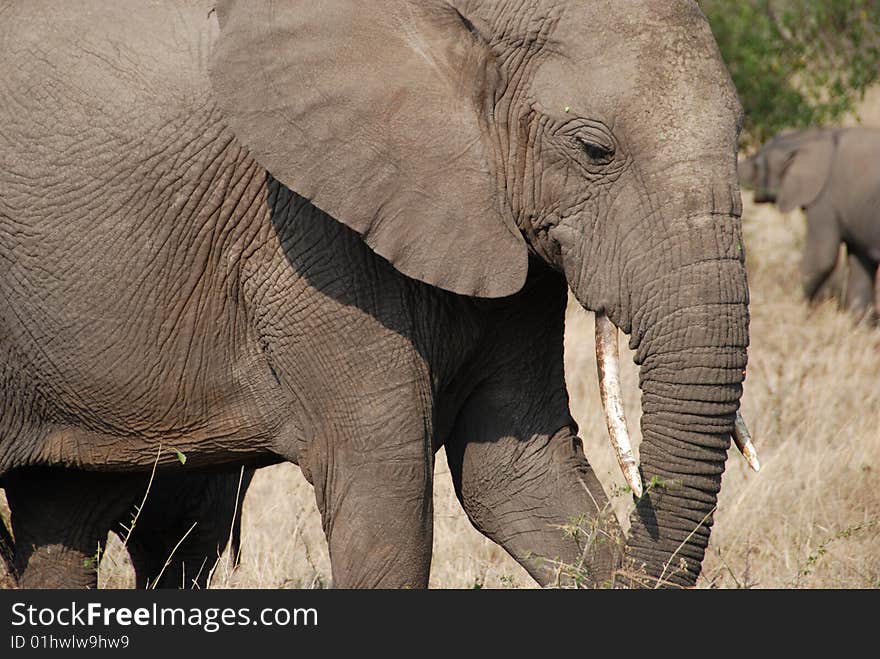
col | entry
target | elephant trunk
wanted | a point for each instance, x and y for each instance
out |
(692, 356)
(684, 302)
(686, 434)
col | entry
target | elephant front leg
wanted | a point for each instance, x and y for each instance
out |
(515, 458)
(537, 497)
(821, 249)
(377, 509)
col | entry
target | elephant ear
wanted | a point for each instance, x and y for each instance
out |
(806, 174)
(377, 112)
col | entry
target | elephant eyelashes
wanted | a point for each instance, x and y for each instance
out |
(598, 154)
(468, 25)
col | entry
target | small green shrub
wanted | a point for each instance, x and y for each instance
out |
(796, 63)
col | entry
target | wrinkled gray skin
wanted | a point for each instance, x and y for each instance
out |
(834, 175)
(343, 234)
(176, 536)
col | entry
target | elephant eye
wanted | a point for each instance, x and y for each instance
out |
(598, 153)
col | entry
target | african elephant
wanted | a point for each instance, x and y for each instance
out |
(175, 526)
(342, 234)
(834, 175)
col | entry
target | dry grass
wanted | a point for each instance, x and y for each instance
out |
(810, 519)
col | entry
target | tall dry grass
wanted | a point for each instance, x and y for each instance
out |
(809, 519)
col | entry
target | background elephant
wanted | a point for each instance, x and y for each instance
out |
(343, 234)
(175, 532)
(834, 175)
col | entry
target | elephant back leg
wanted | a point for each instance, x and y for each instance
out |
(185, 523)
(7, 554)
(60, 520)
(860, 293)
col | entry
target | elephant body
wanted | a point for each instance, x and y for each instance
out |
(189, 264)
(834, 175)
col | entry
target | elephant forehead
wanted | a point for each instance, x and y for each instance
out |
(640, 63)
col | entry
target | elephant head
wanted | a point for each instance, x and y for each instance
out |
(791, 169)
(459, 138)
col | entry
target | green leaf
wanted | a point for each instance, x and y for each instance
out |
(181, 457)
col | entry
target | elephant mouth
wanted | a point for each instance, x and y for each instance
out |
(608, 365)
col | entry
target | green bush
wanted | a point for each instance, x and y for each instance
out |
(796, 63)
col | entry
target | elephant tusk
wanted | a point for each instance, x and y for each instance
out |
(743, 440)
(607, 362)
